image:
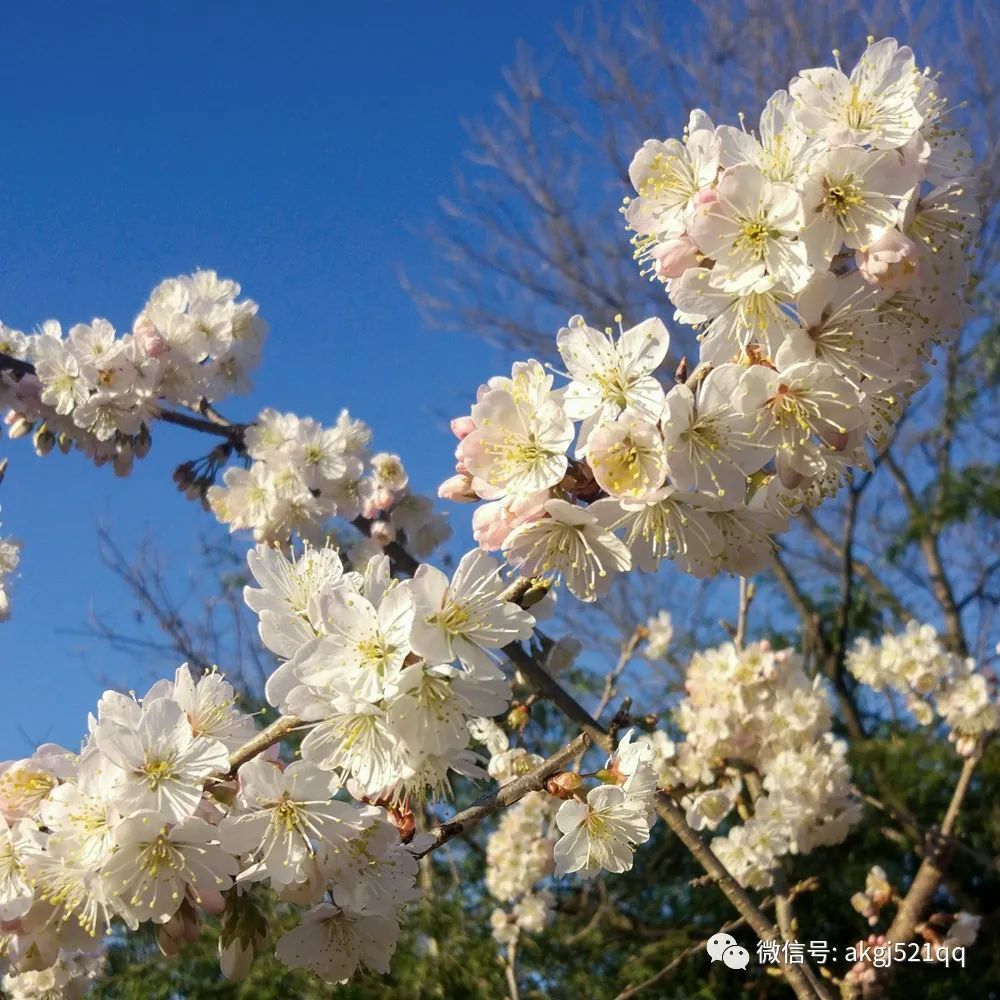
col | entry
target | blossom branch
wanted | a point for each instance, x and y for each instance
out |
(211, 423)
(265, 739)
(669, 811)
(533, 781)
(940, 584)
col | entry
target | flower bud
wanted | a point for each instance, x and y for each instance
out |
(382, 532)
(458, 488)
(890, 262)
(462, 427)
(44, 441)
(149, 340)
(564, 785)
(170, 935)
(518, 717)
(123, 458)
(142, 442)
(212, 901)
(863, 905)
(404, 821)
(235, 959)
(674, 256)
(19, 425)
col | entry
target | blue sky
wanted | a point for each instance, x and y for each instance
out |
(297, 149)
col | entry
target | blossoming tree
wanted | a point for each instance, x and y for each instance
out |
(821, 259)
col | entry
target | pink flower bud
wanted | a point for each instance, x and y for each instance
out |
(674, 256)
(490, 526)
(705, 199)
(462, 426)
(890, 262)
(458, 488)
(518, 717)
(493, 522)
(148, 339)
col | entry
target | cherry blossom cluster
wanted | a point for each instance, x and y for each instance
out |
(935, 683)
(302, 474)
(757, 743)
(91, 388)
(393, 674)
(146, 823)
(819, 260)
(600, 830)
(519, 856)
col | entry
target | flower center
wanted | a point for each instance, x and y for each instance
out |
(159, 854)
(157, 772)
(840, 197)
(451, 618)
(754, 236)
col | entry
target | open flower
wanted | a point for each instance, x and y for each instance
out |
(851, 197)
(156, 865)
(465, 616)
(627, 457)
(601, 832)
(162, 762)
(285, 817)
(667, 176)
(750, 231)
(875, 105)
(333, 942)
(570, 544)
(16, 893)
(731, 322)
(612, 377)
(792, 406)
(365, 648)
(517, 447)
(711, 447)
(781, 149)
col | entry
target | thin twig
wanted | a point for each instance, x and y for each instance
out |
(534, 781)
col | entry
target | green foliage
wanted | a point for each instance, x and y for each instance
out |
(957, 497)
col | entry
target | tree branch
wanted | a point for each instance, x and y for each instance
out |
(534, 781)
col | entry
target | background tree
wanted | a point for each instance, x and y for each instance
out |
(919, 541)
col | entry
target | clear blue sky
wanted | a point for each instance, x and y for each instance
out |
(297, 148)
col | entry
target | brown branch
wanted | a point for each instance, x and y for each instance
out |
(668, 810)
(875, 583)
(746, 596)
(266, 738)
(806, 885)
(931, 870)
(534, 781)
